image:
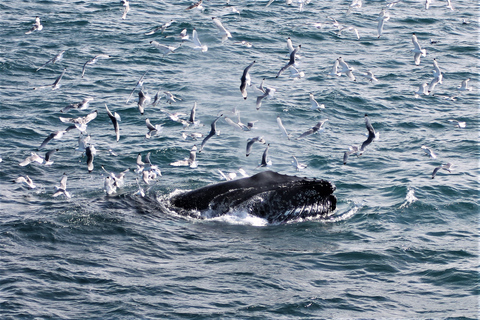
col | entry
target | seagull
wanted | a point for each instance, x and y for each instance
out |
(427, 4)
(422, 90)
(170, 97)
(371, 135)
(36, 158)
(460, 124)
(265, 161)
(139, 85)
(437, 76)
(382, 18)
(445, 166)
(245, 80)
(81, 122)
(345, 68)
(233, 124)
(191, 136)
(464, 86)
(351, 150)
(115, 117)
(90, 151)
(313, 129)
(192, 118)
(349, 28)
(417, 50)
(213, 131)
(140, 191)
(152, 130)
(93, 61)
(109, 185)
(62, 188)
(291, 62)
(162, 27)
(268, 92)
(251, 142)
(54, 60)
(56, 84)
(117, 179)
(78, 106)
(163, 48)
(295, 73)
(37, 26)
(334, 71)
(223, 31)
(315, 104)
(143, 99)
(197, 44)
(449, 5)
(282, 128)
(196, 5)
(429, 152)
(126, 9)
(83, 142)
(370, 76)
(27, 180)
(57, 135)
(356, 4)
(190, 162)
(297, 165)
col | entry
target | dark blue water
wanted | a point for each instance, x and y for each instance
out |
(400, 244)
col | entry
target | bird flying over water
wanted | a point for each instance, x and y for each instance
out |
(213, 131)
(54, 60)
(417, 50)
(115, 118)
(93, 61)
(245, 80)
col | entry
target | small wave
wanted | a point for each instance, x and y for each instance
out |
(409, 198)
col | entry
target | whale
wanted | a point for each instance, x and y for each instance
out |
(276, 197)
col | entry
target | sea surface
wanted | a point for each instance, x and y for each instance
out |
(399, 245)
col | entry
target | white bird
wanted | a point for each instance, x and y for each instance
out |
(143, 100)
(370, 76)
(34, 157)
(56, 84)
(164, 49)
(459, 124)
(291, 61)
(27, 180)
(78, 106)
(188, 162)
(422, 90)
(345, 68)
(371, 136)
(382, 18)
(54, 60)
(152, 130)
(282, 128)
(170, 97)
(93, 61)
(80, 122)
(90, 152)
(126, 9)
(351, 150)
(417, 50)
(429, 152)
(62, 188)
(449, 5)
(427, 4)
(334, 71)
(349, 28)
(268, 93)
(464, 86)
(196, 5)
(437, 77)
(140, 191)
(297, 165)
(37, 26)
(313, 129)
(57, 135)
(250, 143)
(115, 118)
(163, 27)
(222, 30)
(314, 104)
(109, 186)
(265, 161)
(197, 44)
(139, 85)
(295, 73)
(445, 166)
(83, 142)
(245, 80)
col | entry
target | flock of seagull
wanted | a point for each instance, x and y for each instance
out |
(148, 172)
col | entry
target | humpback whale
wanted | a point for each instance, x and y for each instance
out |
(275, 197)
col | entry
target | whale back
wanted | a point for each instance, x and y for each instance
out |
(268, 194)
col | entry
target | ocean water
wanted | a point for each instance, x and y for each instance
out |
(400, 244)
